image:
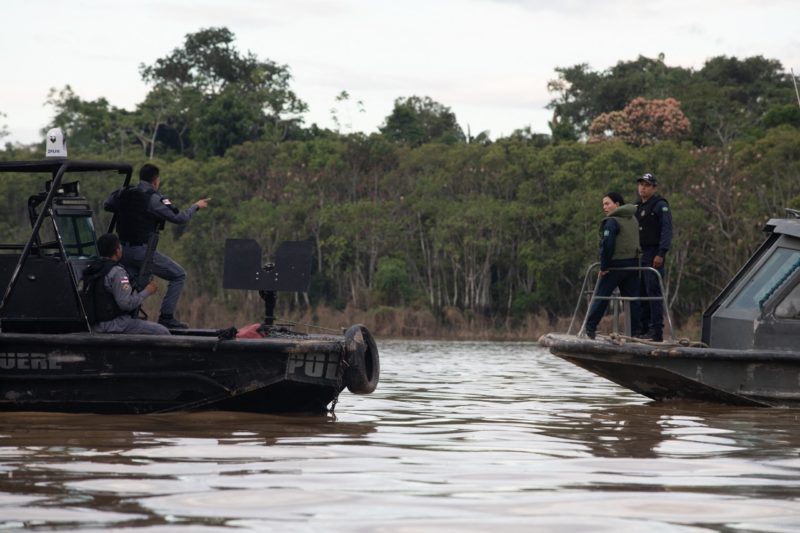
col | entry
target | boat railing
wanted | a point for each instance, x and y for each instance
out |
(617, 301)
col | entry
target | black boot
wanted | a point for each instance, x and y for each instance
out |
(655, 335)
(170, 322)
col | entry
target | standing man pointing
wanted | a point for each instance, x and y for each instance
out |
(140, 210)
(655, 238)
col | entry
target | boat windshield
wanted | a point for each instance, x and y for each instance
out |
(772, 274)
(78, 235)
(789, 306)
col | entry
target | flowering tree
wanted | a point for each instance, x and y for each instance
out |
(642, 123)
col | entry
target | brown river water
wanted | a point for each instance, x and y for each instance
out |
(459, 436)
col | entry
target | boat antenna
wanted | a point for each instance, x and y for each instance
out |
(796, 92)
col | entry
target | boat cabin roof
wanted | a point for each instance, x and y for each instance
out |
(760, 306)
(48, 270)
(784, 226)
(53, 165)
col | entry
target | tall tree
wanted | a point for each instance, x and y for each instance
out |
(724, 100)
(728, 97)
(583, 94)
(207, 75)
(416, 121)
(94, 125)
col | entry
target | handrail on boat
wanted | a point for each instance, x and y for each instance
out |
(616, 298)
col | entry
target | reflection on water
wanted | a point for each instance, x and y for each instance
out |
(458, 436)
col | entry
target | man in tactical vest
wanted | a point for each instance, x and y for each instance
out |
(619, 248)
(108, 297)
(140, 211)
(655, 236)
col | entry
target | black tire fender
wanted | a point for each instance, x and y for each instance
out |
(363, 363)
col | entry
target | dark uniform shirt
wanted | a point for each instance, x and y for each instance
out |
(117, 283)
(655, 224)
(159, 206)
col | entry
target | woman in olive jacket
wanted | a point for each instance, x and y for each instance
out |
(619, 248)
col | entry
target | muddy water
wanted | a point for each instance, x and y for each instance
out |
(458, 437)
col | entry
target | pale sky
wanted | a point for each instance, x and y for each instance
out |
(487, 60)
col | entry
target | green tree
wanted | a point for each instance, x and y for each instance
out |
(724, 100)
(203, 77)
(583, 94)
(728, 97)
(91, 126)
(416, 121)
(788, 114)
(392, 282)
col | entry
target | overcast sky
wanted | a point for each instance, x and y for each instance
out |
(487, 60)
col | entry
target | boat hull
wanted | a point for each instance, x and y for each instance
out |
(663, 373)
(156, 374)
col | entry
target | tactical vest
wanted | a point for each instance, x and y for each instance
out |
(649, 223)
(135, 224)
(627, 242)
(98, 302)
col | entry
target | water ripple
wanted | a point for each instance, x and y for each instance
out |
(459, 436)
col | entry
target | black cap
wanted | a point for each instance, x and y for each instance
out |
(648, 178)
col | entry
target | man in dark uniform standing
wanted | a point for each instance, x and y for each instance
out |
(655, 238)
(140, 210)
(110, 300)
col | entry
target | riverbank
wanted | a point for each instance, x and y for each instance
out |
(397, 322)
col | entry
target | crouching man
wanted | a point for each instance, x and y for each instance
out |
(110, 301)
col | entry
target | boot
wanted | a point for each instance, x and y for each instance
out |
(170, 322)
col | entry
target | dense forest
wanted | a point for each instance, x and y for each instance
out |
(422, 228)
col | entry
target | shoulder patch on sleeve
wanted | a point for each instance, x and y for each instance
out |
(166, 201)
(665, 208)
(606, 233)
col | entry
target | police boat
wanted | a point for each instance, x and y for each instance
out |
(51, 361)
(750, 349)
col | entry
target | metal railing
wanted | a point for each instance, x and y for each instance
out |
(616, 299)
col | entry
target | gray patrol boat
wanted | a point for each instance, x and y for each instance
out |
(750, 349)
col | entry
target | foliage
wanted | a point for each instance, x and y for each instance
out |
(723, 101)
(93, 125)
(416, 121)
(642, 123)
(209, 85)
(392, 282)
(421, 214)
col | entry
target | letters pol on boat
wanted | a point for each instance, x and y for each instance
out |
(312, 365)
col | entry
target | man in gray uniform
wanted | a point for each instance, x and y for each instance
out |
(140, 210)
(108, 297)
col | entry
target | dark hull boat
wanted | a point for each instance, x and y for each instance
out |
(85, 372)
(750, 350)
(673, 372)
(51, 361)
